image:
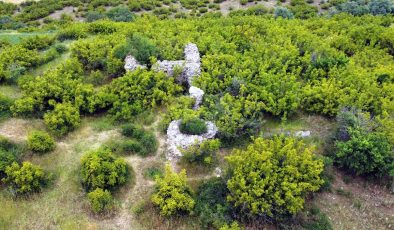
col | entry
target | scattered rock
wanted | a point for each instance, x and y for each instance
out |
(303, 133)
(132, 64)
(177, 140)
(218, 172)
(197, 94)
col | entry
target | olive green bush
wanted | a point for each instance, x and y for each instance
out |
(100, 200)
(40, 142)
(272, 177)
(63, 119)
(26, 178)
(193, 126)
(366, 153)
(173, 195)
(203, 153)
(101, 169)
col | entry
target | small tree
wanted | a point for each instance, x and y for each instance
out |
(100, 200)
(63, 119)
(40, 142)
(101, 169)
(283, 12)
(25, 179)
(366, 153)
(272, 177)
(6, 159)
(173, 194)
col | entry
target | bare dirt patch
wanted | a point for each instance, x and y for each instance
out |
(17, 129)
(357, 204)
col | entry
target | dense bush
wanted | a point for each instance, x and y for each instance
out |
(135, 92)
(140, 47)
(366, 154)
(6, 159)
(272, 177)
(25, 178)
(202, 153)
(5, 104)
(193, 126)
(101, 169)
(173, 195)
(63, 119)
(15, 60)
(92, 16)
(40, 142)
(283, 12)
(100, 200)
(120, 14)
(211, 205)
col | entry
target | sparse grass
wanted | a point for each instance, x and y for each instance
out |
(15, 37)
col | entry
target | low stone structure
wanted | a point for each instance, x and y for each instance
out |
(197, 94)
(303, 134)
(190, 67)
(176, 139)
(132, 64)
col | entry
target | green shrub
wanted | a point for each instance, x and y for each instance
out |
(6, 159)
(131, 130)
(153, 172)
(365, 153)
(120, 14)
(202, 153)
(5, 104)
(63, 119)
(101, 169)
(40, 142)
(317, 221)
(142, 49)
(173, 195)
(100, 200)
(283, 12)
(26, 178)
(212, 207)
(149, 143)
(193, 126)
(92, 16)
(272, 177)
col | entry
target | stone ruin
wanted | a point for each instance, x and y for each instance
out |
(190, 68)
(132, 64)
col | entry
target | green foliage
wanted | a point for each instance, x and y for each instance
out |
(283, 12)
(63, 119)
(92, 16)
(202, 153)
(120, 14)
(173, 195)
(5, 104)
(25, 178)
(233, 226)
(38, 42)
(193, 126)
(40, 142)
(211, 205)
(142, 48)
(100, 200)
(101, 169)
(272, 177)
(317, 221)
(15, 60)
(366, 154)
(135, 92)
(6, 159)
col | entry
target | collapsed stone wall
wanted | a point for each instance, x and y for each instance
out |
(190, 68)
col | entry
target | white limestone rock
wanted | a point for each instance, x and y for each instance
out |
(197, 94)
(218, 172)
(169, 67)
(132, 64)
(303, 134)
(177, 140)
(192, 55)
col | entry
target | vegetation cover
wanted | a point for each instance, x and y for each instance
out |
(302, 94)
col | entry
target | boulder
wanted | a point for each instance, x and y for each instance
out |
(132, 64)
